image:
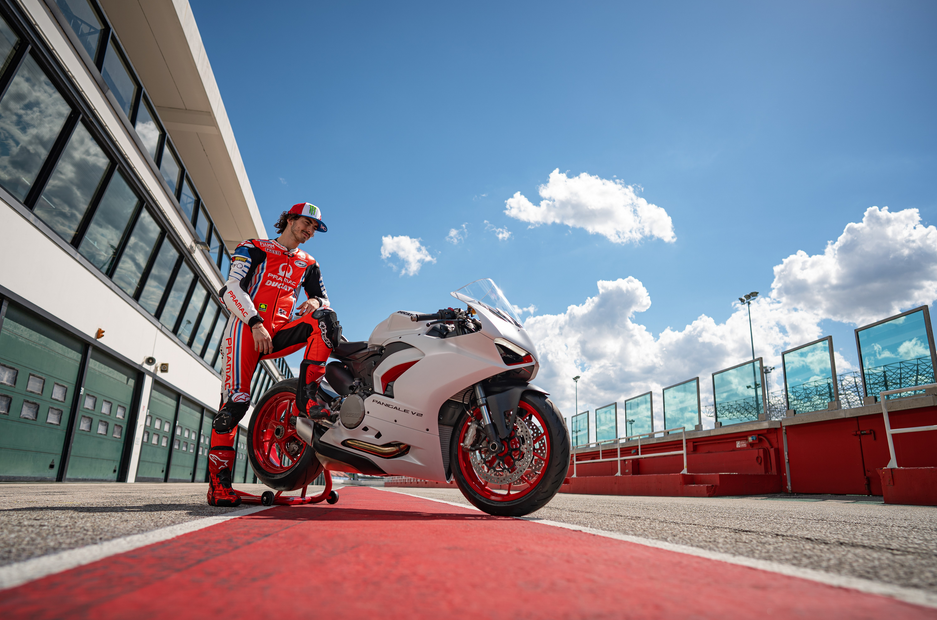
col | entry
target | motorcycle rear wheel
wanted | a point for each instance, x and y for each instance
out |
(547, 447)
(281, 460)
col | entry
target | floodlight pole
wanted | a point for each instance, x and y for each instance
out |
(747, 300)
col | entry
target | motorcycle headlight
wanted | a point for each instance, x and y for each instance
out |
(511, 354)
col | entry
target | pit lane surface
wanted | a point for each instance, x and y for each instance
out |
(398, 555)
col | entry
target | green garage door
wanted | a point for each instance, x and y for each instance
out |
(103, 410)
(39, 368)
(184, 442)
(157, 431)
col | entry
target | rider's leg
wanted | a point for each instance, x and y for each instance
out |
(319, 332)
(240, 360)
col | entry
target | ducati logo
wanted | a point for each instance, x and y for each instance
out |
(286, 270)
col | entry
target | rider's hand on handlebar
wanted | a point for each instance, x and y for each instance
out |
(310, 305)
(263, 343)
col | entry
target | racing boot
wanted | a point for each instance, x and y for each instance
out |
(314, 410)
(220, 493)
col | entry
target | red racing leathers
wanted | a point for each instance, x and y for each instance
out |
(263, 286)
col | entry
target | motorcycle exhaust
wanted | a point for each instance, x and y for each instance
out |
(305, 429)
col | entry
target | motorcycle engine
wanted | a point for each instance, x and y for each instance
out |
(352, 411)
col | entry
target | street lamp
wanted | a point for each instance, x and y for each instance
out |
(630, 427)
(747, 300)
(576, 381)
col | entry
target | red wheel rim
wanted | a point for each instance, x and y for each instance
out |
(274, 437)
(540, 445)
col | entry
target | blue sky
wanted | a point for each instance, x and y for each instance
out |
(761, 130)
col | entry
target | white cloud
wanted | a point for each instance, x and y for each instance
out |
(407, 249)
(618, 358)
(601, 206)
(457, 235)
(886, 262)
(282, 180)
(503, 234)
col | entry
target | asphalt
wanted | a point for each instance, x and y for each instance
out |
(842, 535)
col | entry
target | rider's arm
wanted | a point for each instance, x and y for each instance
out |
(313, 285)
(234, 293)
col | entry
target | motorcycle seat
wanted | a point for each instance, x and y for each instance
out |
(347, 349)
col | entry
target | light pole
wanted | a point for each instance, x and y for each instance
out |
(747, 300)
(575, 413)
(630, 427)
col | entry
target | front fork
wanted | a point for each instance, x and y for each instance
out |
(494, 443)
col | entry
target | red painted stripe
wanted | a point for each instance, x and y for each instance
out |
(380, 554)
(394, 373)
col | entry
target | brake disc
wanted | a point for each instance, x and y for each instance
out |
(512, 462)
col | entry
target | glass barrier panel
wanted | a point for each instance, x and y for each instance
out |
(606, 422)
(738, 393)
(681, 405)
(896, 353)
(809, 376)
(32, 114)
(580, 424)
(639, 414)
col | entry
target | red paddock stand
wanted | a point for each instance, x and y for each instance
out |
(269, 499)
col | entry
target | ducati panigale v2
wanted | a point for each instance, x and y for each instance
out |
(431, 396)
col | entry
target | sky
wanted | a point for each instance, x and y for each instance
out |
(624, 171)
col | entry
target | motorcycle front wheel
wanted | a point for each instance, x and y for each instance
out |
(281, 460)
(528, 471)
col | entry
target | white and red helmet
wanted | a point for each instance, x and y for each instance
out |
(311, 211)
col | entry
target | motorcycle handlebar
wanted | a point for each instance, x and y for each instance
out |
(424, 317)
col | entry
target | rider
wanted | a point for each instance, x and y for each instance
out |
(261, 290)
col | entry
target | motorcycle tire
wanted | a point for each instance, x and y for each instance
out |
(541, 447)
(281, 460)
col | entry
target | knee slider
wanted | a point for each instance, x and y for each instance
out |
(329, 326)
(229, 416)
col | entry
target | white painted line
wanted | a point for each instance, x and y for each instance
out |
(908, 595)
(17, 574)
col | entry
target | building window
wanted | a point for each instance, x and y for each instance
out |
(8, 44)
(178, 430)
(203, 224)
(59, 392)
(185, 446)
(5, 404)
(187, 199)
(54, 416)
(204, 327)
(191, 447)
(192, 312)
(85, 23)
(159, 277)
(137, 254)
(170, 169)
(8, 375)
(106, 407)
(149, 420)
(166, 426)
(118, 431)
(84, 424)
(146, 436)
(155, 439)
(175, 444)
(165, 441)
(177, 295)
(225, 264)
(90, 402)
(102, 427)
(30, 410)
(121, 412)
(69, 192)
(109, 224)
(35, 384)
(185, 433)
(215, 340)
(148, 128)
(118, 77)
(32, 114)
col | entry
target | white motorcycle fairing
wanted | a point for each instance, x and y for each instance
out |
(401, 432)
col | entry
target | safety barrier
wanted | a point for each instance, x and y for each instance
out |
(619, 458)
(889, 431)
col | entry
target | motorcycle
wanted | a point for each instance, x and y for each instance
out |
(436, 396)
